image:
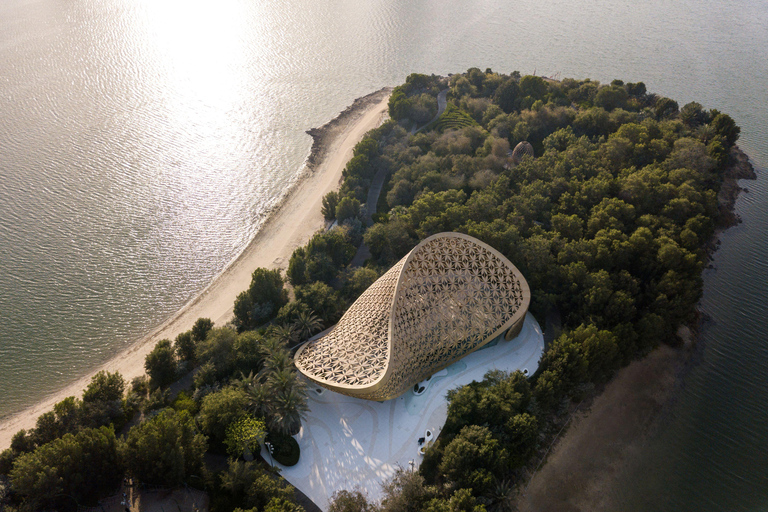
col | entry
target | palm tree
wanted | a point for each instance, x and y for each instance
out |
(282, 334)
(502, 497)
(258, 399)
(281, 380)
(289, 409)
(307, 323)
(275, 362)
(245, 381)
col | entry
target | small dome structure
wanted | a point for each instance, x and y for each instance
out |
(523, 149)
(446, 298)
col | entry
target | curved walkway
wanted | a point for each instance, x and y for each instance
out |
(349, 443)
(374, 191)
(442, 103)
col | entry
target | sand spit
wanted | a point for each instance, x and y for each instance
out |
(289, 225)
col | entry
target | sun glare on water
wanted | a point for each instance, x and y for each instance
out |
(202, 45)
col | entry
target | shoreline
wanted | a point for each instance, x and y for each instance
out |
(616, 421)
(290, 224)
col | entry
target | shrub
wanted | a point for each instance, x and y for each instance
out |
(285, 449)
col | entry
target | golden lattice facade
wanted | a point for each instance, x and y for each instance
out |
(449, 296)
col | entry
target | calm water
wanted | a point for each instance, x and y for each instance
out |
(141, 143)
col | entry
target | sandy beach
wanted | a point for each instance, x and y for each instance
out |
(289, 226)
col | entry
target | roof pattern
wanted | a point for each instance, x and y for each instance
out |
(359, 339)
(449, 296)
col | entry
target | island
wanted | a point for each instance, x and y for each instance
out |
(605, 197)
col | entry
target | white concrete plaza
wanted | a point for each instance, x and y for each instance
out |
(350, 443)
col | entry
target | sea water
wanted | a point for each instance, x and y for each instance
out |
(142, 143)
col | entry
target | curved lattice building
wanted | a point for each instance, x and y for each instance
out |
(449, 296)
(522, 150)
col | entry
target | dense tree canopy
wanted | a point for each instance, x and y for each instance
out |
(165, 450)
(262, 300)
(80, 468)
(607, 222)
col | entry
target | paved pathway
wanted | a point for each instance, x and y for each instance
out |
(374, 191)
(442, 103)
(349, 443)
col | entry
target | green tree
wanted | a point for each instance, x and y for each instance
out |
(665, 108)
(105, 387)
(264, 298)
(81, 467)
(330, 200)
(217, 349)
(102, 400)
(288, 408)
(184, 402)
(7, 458)
(265, 489)
(323, 257)
(611, 97)
(522, 433)
(461, 501)
(406, 491)
(533, 86)
(247, 353)
(693, 114)
(472, 459)
(322, 299)
(502, 498)
(219, 410)
(492, 402)
(286, 333)
(399, 105)
(258, 395)
(237, 479)
(358, 281)
(160, 365)
(297, 268)
(637, 89)
(22, 442)
(185, 346)
(282, 505)
(389, 242)
(200, 328)
(245, 436)
(165, 450)
(348, 208)
(307, 324)
(65, 418)
(507, 96)
(350, 501)
(244, 311)
(725, 126)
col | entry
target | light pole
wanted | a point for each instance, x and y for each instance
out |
(269, 449)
